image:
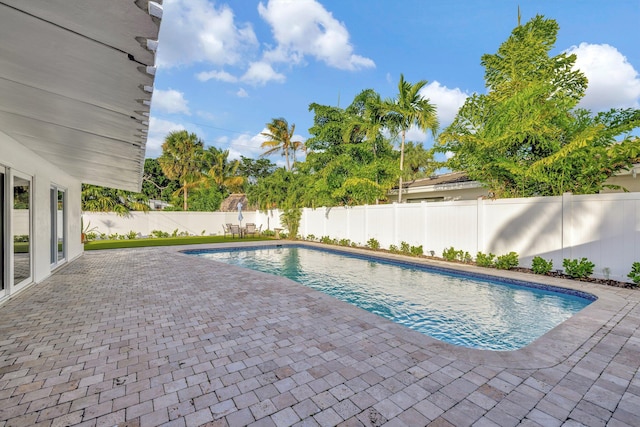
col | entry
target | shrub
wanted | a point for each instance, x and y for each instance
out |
(416, 250)
(393, 249)
(483, 260)
(450, 254)
(634, 274)
(467, 258)
(344, 242)
(507, 261)
(326, 239)
(405, 248)
(91, 236)
(373, 243)
(541, 266)
(311, 237)
(578, 269)
(268, 233)
(132, 235)
(159, 233)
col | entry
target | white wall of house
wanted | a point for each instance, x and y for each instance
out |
(20, 161)
(604, 228)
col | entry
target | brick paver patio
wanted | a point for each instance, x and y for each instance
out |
(150, 337)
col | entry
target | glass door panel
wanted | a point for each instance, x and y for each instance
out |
(58, 250)
(3, 224)
(21, 225)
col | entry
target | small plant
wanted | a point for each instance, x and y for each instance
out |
(113, 236)
(451, 254)
(484, 260)
(91, 236)
(467, 258)
(132, 235)
(394, 249)
(507, 261)
(578, 269)
(634, 274)
(268, 233)
(416, 250)
(326, 239)
(311, 237)
(373, 244)
(344, 242)
(175, 233)
(159, 233)
(541, 266)
(405, 248)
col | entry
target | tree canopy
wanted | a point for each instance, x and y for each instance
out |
(526, 136)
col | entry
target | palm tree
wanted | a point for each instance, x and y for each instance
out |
(222, 172)
(181, 159)
(408, 109)
(279, 139)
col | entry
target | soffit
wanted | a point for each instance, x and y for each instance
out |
(72, 78)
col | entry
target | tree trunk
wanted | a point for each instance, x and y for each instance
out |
(184, 197)
(401, 168)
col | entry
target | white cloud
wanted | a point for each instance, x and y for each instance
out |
(198, 31)
(260, 73)
(613, 82)
(247, 145)
(158, 130)
(448, 101)
(222, 76)
(305, 27)
(241, 93)
(169, 101)
(250, 146)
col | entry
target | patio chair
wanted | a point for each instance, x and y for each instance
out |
(235, 229)
(227, 229)
(251, 229)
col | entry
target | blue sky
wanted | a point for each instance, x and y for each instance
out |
(225, 69)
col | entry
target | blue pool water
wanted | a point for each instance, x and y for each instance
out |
(462, 310)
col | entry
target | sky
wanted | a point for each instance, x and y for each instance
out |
(226, 68)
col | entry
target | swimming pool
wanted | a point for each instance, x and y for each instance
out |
(460, 309)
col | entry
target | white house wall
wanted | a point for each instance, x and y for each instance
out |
(43, 174)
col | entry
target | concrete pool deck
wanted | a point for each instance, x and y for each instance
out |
(146, 337)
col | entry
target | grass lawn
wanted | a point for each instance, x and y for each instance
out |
(164, 241)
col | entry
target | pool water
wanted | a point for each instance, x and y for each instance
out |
(461, 310)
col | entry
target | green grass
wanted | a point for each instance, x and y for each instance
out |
(164, 241)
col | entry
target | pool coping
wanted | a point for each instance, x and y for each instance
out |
(548, 350)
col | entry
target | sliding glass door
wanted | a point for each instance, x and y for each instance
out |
(21, 229)
(58, 226)
(4, 258)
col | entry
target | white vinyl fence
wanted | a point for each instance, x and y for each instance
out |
(604, 228)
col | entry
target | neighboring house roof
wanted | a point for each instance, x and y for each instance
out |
(230, 204)
(76, 78)
(447, 178)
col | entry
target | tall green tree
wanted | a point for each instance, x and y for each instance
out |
(182, 159)
(409, 108)
(347, 154)
(254, 169)
(280, 139)
(222, 172)
(155, 184)
(526, 136)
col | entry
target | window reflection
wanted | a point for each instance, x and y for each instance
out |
(21, 224)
